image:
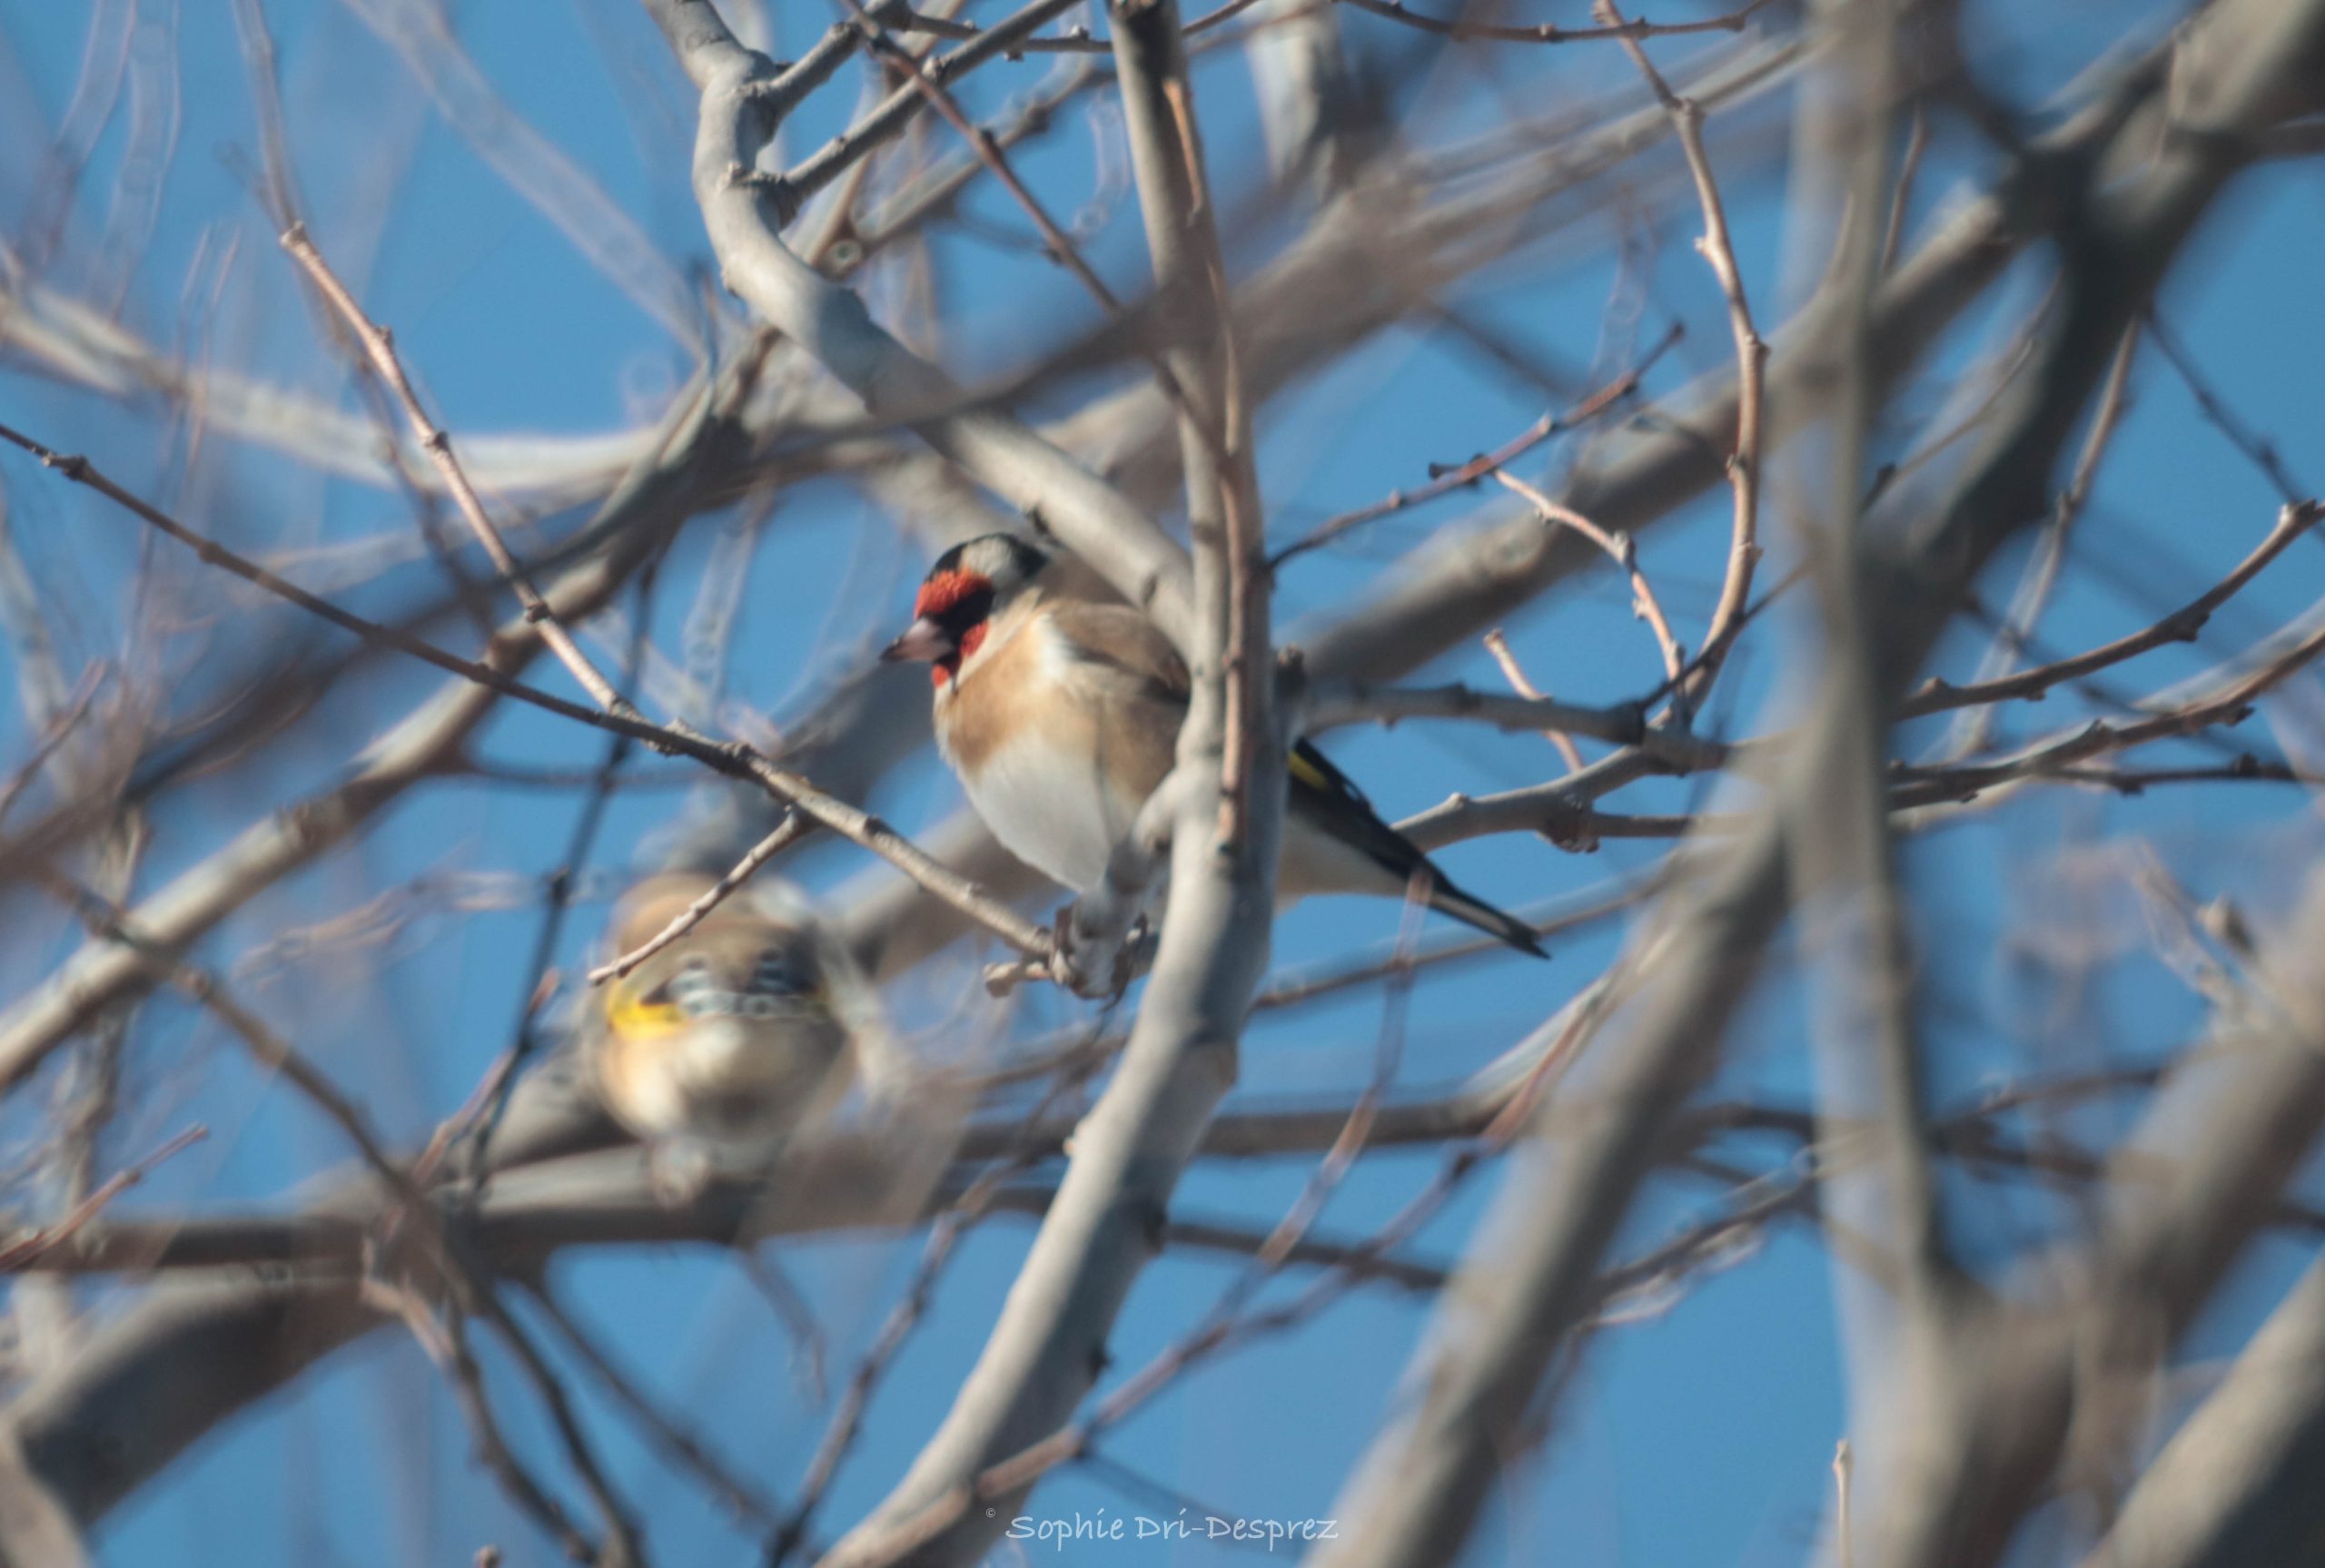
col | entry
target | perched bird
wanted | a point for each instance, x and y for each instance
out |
(1061, 714)
(747, 1027)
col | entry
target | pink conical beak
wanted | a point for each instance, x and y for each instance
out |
(923, 640)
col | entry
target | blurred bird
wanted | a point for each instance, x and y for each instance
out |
(731, 1037)
(1061, 714)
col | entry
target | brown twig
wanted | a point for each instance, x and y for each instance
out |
(55, 733)
(2225, 703)
(1515, 674)
(1935, 696)
(1751, 359)
(623, 1549)
(1545, 33)
(1623, 550)
(734, 760)
(788, 832)
(379, 345)
(28, 1250)
(446, 1344)
(1446, 477)
(2041, 577)
(2257, 447)
(678, 1445)
(1909, 165)
(285, 207)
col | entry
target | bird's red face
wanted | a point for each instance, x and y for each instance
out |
(948, 622)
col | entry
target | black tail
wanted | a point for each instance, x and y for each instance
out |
(1446, 899)
(1332, 799)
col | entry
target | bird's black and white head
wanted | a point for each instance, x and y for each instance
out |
(969, 584)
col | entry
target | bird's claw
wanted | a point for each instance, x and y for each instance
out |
(679, 1172)
(1066, 963)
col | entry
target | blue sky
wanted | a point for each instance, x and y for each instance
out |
(1699, 1436)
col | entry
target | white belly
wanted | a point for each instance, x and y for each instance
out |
(1051, 810)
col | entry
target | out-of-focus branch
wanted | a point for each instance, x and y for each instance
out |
(25, 1254)
(2029, 1389)
(1452, 590)
(2237, 1484)
(1044, 1352)
(1416, 1495)
(744, 214)
(538, 171)
(664, 1430)
(1528, 1282)
(1751, 359)
(2061, 1379)
(1349, 702)
(1867, 1044)
(1444, 478)
(438, 444)
(1545, 33)
(655, 494)
(1934, 696)
(615, 714)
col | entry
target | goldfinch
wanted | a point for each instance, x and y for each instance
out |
(1061, 714)
(728, 1039)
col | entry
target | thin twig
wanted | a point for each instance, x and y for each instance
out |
(381, 346)
(2041, 578)
(679, 1446)
(1446, 477)
(447, 1344)
(1546, 33)
(2259, 448)
(1623, 550)
(1515, 674)
(1751, 361)
(105, 920)
(541, 984)
(1909, 164)
(286, 208)
(26, 1251)
(1935, 696)
(734, 759)
(623, 1549)
(1843, 1541)
(788, 832)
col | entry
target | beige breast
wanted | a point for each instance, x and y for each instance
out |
(1056, 749)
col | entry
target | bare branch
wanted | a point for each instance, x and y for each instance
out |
(438, 444)
(1043, 1352)
(1751, 359)
(741, 104)
(1544, 33)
